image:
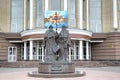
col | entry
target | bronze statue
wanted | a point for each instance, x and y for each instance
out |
(64, 43)
(57, 45)
(50, 44)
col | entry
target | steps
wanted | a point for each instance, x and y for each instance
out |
(30, 64)
(20, 64)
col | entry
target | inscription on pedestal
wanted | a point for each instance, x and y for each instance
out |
(56, 68)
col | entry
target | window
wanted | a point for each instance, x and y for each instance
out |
(16, 15)
(95, 15)
(72, 21)
(56, 5)
(39, 13)
(12, 54)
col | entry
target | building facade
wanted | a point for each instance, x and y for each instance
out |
(94, 27)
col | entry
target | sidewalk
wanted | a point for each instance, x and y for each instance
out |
(100, 73)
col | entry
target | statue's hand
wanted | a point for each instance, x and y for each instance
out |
(57, 33)
(51, 37)
(72, 48)
(45, 38)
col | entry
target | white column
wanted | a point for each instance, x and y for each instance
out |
(87, 50)
(81, 56)
(24, 14)
(96, 28)
(87, 14)
(31, 50)
(25, 49)
(43, 53)
(46, 5)
(80, 14)
(75, 51)
(31, 13)
(69, 54)
(37, 50)
(115, 21)
(90, 52)
(65, 5)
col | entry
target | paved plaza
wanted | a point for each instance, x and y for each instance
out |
(99, 73)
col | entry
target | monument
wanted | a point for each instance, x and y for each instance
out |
(56, 58)
(56, 63)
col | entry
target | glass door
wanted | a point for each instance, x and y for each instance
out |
(12, 54)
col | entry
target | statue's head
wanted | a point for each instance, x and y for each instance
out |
(64, 27)
(50, 27)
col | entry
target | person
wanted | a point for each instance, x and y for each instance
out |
(50, 44)
(64, 43)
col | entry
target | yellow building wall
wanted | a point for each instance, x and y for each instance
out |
(76, 14)
(119, 14)
(5, 15)
(35, 14)
(107, 15)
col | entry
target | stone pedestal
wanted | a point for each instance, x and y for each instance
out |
(56, 68)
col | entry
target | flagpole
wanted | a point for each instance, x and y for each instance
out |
(56, 18)
(56, 25)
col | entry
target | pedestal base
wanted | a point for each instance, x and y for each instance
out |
(75, 74)
(56, 68)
